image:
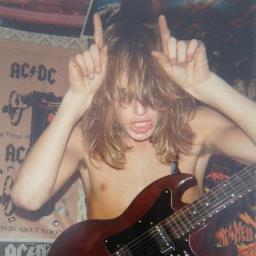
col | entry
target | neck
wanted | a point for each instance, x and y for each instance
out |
(139, 145)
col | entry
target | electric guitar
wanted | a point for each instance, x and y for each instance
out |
(157, 222)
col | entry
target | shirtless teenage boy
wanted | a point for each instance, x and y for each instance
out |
(129, 113)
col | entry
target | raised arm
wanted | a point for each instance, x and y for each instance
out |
(185, 62)
(56, 154)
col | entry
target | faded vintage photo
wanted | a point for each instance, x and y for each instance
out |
(127, 127)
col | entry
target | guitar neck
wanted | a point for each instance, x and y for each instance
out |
(194, 215)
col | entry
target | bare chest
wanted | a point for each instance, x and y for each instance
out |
(110, 191)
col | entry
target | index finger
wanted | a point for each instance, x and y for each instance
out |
(98, 31)
(164, 33)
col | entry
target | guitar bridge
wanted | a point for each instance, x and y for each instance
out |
(162, 240)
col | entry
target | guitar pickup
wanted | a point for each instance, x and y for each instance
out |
(162, 239)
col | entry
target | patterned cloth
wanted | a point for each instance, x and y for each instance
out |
(237, 225)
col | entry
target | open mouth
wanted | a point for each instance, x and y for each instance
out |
(141, 127)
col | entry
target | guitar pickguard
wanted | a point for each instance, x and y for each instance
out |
(148, 236)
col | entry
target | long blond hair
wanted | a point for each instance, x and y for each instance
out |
(129, 52)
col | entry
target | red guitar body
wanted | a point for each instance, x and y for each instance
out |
(126, 234)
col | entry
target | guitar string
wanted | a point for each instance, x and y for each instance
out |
(210, 208)
(227, 191)
(129, 246)
(204, 201)
(139, 240)
(212, 192)
(143, 243)
(210, 212)
(139, 249)
(167, 230)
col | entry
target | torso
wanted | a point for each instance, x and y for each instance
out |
(109, 191)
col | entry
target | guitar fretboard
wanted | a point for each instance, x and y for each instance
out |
(211, 203)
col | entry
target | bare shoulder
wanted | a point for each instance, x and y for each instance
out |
(217, 133)
(210, 126)
(207, 119)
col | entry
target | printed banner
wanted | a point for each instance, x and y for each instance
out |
(21, 247)
(33, 81)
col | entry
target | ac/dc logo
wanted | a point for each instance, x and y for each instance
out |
(26, 71)
(16, 105)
